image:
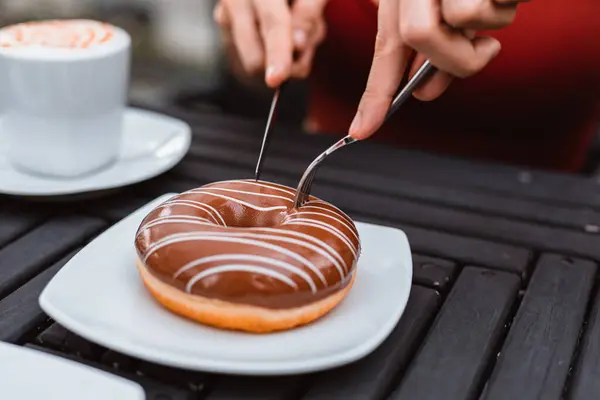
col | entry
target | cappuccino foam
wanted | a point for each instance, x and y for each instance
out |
(61, 37)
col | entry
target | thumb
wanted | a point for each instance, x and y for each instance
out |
(305, 13)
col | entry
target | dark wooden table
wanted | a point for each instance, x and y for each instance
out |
(504, 301)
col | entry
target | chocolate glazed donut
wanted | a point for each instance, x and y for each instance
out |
(237, 255)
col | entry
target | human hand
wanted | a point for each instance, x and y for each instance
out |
(442, 31)
(263, 35)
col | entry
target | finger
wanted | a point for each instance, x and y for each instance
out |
(386, 73)
(434, 86)
(305, 13)
(244, 33)
(219, 15)
(276, 30)
(449, 50)
(478, 14)
(303, 65)
(303, 61)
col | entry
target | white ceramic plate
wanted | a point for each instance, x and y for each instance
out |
(99, 295)
(27, 374)
(152, 144)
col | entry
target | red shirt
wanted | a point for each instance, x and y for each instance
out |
(536, 104)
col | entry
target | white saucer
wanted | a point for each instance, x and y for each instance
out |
(152, 144)
(99, 295)
(27, 374)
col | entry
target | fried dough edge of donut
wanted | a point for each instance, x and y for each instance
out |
(238, 317)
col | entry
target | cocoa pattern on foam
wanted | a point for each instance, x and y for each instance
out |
(285, 253)
(71, 34)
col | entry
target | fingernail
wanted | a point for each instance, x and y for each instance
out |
(299, 37)
(355, 126)
(271, 72)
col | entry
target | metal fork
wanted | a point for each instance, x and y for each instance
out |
(305, 185)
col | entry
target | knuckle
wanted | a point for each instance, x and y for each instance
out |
(417, 35)
(386, 44)
(461, 14)
(272, 20)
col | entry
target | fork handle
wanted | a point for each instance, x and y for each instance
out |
(424, 72)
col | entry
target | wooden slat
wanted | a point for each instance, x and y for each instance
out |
(30, 254)
(466, 250)
(347, 172)
(78, 346)
(440, 170)
(60, 339)
(165, 184)
(465, 223)
(113, 208)
(16, 221)
(433, 272)
(534, 361)
(20, 311)
(585, 383)
(372, 377)
(390, 181)
(154, 390)
(119, 361)
(52, 337)
(192, 380)
(462, 340)
(256, 388)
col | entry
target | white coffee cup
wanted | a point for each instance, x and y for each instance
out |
(63, 91)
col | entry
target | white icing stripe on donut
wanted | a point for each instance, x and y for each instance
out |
(208, 208)
(332, 229)
(182, 204)
(326, 216)
(321, 202)
(274, 185)
(335, 213)
(247, 258)
(318, 224)
(185, 204)
(272, 196)
(254, 183)
(239, 268)
(175, 217)
(279, 189)
(252, 206)
(233, 238)
(305, 237)
(253, 236)
(176, 221)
